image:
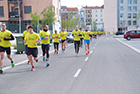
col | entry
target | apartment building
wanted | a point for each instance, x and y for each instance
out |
(9, 12)
(93, 13)
(121, 14)
(66, 10)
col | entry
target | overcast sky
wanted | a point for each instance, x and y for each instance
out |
(78, 3)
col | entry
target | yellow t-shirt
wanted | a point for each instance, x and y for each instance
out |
(24, 34)
(31, 39)
(63, 35)
(45, 34)
(87, 35)
(77, 37)
(56, 40)
(5, 34)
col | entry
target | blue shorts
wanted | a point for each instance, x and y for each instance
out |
(86, 41)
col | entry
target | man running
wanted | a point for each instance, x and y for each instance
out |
(56, 38)
(81, 38)
(77, 35)
(24, 34)
(45, 40)
(63, 36)
(87, 35)
(5, 37)
(32, 39)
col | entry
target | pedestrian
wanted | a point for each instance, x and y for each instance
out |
(87, 36)
(77, 35)
(81, 38)
(56, 38)
(63, 36)
(45, 43)
(32, 39)
(24, 34)
(5, 44)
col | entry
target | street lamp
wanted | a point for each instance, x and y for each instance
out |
(19, 16)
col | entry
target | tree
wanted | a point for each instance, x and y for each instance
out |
(48, 15)
(82, 25)
(138, 16)
(35, 20)
(94, 25)
(103, 27)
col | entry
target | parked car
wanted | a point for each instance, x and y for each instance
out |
(119, 33)
(70, 37)
(132, 34)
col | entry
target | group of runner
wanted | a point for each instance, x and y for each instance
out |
(31, 40)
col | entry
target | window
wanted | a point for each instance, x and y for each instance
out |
(76, 9)
(129, 8)
(96, 15)
(129, 22)
(134, 15)
(121, 8)
(101, 19)
(96, 10)
(1, 11)
(101, 15)
(129, 15)
(69, 10)
(27, 9)
(138, 32)
(134, 8)
(72, 9)
(63, 17)
(96, 20)
(121, 1)
(134, 1)
(101, 10)
(129, 1)
(134, 22)
(132, 32)
(121, 15)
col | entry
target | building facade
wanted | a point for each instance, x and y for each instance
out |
(10, 12)
(66, 10)
(121, 14)
(93, 13)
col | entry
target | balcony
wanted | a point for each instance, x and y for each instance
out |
(14, 1)
(14, 15)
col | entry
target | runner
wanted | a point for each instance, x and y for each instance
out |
(32, 39)
(66, 42)
(77, 35)
(81, 38)
(5, 37)
(63, 36)
(87, 35)
(56, 38)
(24, 34)
(45, 40)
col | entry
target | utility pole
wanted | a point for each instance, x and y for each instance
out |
(19, 16)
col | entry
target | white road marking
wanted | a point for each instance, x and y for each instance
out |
(77, 73)
(91, 52)
(93, 47)
(137, 50)
(87, 59)
(25, 61)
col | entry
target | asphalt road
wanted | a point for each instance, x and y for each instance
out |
(111, 68)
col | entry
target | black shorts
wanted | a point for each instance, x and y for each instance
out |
(56, 45)
(32, 51)
(62, 41)
(7, 49)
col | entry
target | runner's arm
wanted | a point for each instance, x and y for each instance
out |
(11, 38)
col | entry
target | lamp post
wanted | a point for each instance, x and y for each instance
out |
(19, 16)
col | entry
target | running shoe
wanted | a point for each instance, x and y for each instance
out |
(57, 53)
(47, 64)
(44, 59)
(12, 64)
(88, 52)
(54, 52)
(36, 60)
(33, 69)
(1, 71)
